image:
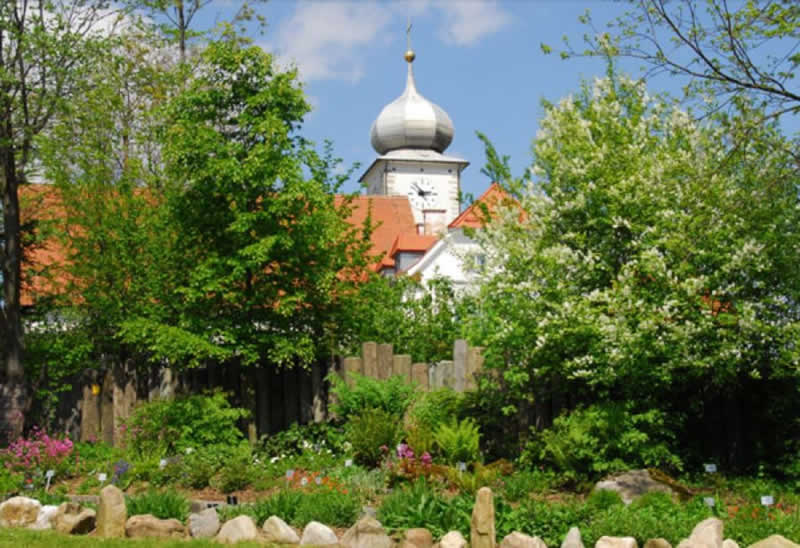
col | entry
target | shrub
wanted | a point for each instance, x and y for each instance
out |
(369, 432)
(459, 441)
(429, 411)
(161, 504)
(521, 484)
(299, 438)
(603, 438)
(199, 466)
(169, 426)
(10, 482)
(37, 453)
(238, 472)
(549, 520)
(392, 395)
(418, 505)
(283, 504)
(328, 506)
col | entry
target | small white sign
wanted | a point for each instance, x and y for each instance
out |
(304, 482)
(162, 464)
(318, 480)
(49, 474)
(710, 468)
(101, 477)
(462, 466)
(709, 501)
(348, 462)
(767, 500)
(189, 450)
(290, 473)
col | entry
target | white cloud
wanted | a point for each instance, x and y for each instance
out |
(325, 39)
(467, 21)
(329, 40)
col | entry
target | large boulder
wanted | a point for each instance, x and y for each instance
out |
(19, 512)
(204, 524)
(238, 529)
(366, 533)
(111, 513)
(45, 518)
(616, 542)
(317, 534)
(147, 525)
(417, 538)
(482, 529)
(775, 541)
(278, 531)
(706, 534)
(730, 543)
(520, 540)
(633, 484)
(657, 543)
(573, 539)
(72, 519)
(453, 539)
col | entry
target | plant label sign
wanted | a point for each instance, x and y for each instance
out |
(710, 468)
(318, 480)
(162, 464)
(462, 466)
(289, 473)
(102, 477)
(304, 482)
(49, 474)
(709, 501)
(767, 500)
(348, 462)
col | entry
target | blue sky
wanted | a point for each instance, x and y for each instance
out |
(480, 60)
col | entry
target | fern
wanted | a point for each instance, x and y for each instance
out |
(459, 441)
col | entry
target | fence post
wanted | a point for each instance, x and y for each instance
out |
(369, 355)
(385, 352)
(401, 365)
(460, 356)
(419, 374)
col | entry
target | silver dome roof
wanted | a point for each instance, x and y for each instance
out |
(411, 121)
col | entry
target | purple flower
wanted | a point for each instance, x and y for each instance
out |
(426, 458)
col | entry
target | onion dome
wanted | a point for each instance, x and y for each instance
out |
(411, 121)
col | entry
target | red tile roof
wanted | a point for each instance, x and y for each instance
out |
(475, 215)
(412, 242)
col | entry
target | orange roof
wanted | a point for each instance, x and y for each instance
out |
(390, 215)
(475, 215)
(412, 242)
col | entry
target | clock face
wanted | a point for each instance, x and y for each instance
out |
(422, 194)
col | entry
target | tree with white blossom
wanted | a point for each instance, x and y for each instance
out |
(657, 263)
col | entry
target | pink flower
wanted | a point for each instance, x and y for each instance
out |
(426, 458)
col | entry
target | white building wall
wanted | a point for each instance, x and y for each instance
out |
(446, 259)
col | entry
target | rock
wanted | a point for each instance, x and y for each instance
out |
(366, 533)
(775, 541)
(417, 538)
(706, 534)
(453, 539)
(276, 530)
(573, 539)
(45, 518)
(204, 524)
(657, 543)
(111, 513)
(19, 512)
(482, 533)
(633, 484)
(729, 543)
(519, 540)
(616, 542)
(238, 529)
(147, 525)
(72, 519)
(318, 534)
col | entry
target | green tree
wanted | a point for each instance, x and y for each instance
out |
(655, 265)
(727, 52)
(45, 49)
(266, 253)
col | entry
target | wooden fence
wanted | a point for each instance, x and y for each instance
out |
(276, 398)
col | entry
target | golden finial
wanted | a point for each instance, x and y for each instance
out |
(409, 55)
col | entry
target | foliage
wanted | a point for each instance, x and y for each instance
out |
(299, 438)
(422, 319)
(329, 506)
(604, 438)
(198, 467)
(38, 453)
(459, 441)
(166, 426)
(19, 536)
(373, 433)
(261, 239)
(726, 51)
(161, 504)
(360, 393)
(427, 413)
(283, 504)
(642, 270)
(237, 471)
(549, 520)
(523, 483)
(10, 482)
(418, 505)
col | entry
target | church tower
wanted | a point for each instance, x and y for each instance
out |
(410, 136)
